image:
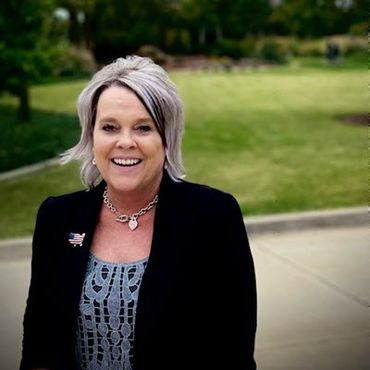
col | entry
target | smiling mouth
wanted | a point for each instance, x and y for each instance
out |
(126, 162)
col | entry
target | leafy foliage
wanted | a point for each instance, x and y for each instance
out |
(121, 27)
(315, 18)
(23, 30)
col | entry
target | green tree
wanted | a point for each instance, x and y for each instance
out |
(239, 18)
(201, 20)
(23, 42)
(313, 18)
(80, 13)
(122, 26)
(209, 21)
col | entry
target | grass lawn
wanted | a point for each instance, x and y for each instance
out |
(53, 128)
(272, 137)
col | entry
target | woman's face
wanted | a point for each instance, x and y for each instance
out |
(128, 148)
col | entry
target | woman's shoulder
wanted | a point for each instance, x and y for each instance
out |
(204, 195)
(203, 204)
(201, 189)
(76, 199)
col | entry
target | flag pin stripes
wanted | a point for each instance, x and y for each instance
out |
(76, 239)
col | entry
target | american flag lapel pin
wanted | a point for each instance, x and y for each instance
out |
(76, 239)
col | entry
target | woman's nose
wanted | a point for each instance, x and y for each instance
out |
(126, 141)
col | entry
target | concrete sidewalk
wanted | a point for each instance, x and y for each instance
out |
(313, 300)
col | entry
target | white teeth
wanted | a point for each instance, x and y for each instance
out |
(126, 162)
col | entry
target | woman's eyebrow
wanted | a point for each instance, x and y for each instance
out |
(147, 119)
(107, 119)
(143, 119)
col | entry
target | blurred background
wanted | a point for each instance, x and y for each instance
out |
(274, 94)
(276, 113)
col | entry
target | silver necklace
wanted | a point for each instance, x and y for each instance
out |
(132, 220)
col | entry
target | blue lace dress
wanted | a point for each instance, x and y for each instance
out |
(106, 320)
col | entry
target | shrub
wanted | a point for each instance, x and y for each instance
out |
(248, 46)
(229, 48)
(359, 29)
(273, 50)
(348, 45)
(70, 61)
(154, 53)
(313, 48)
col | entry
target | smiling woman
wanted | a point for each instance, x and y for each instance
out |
(142, 270)
(127, 145)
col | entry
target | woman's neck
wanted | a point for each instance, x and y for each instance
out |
(132, 201)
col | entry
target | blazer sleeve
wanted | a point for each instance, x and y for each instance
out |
(36, 345)
(238, 280)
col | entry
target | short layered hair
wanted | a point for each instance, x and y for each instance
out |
(156, 91)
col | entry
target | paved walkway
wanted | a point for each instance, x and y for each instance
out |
(314, 299)
(313, 293)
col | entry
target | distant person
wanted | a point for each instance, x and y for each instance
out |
(142, 270)
(332, 52)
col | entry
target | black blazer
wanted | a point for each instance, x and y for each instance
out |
(197, 301)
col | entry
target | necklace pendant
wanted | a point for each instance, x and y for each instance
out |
(132, 224)
(122, 218)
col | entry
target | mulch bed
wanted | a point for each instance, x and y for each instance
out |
(202, 62)
(361, 119)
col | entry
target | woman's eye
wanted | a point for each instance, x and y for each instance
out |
(109, 127)
(144, 128)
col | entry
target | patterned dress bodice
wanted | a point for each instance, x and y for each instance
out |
(107, 310)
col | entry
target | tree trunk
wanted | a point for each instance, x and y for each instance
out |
(202, 35)
(219, 33)
(24, 111)
(74, 27)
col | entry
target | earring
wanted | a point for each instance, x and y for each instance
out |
(93, 161)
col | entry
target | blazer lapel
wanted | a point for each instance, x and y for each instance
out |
(162, 259)
(79, 216)
(83, 222)
(158, 283)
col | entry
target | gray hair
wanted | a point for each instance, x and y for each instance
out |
(159, 95)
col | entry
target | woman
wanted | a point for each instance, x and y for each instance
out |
(143, 270)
